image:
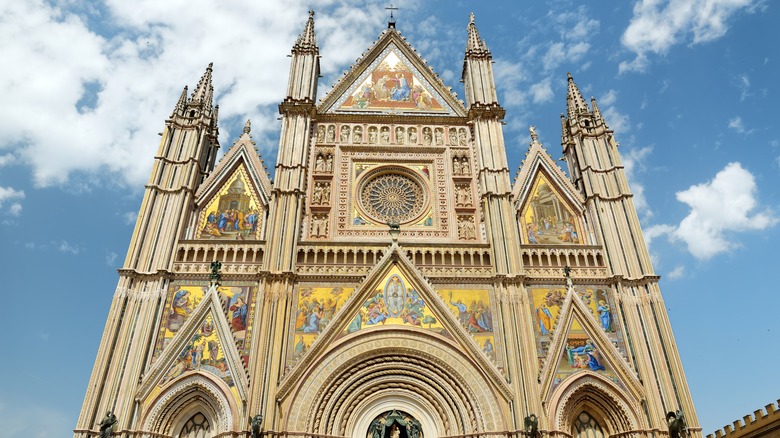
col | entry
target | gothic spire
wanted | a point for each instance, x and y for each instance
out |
(597, 118)
(204, 92)
(179, 108)
(574, 101)
(475, 45)
(307, 41)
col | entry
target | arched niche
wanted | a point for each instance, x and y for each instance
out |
(192, 393)
(607, 405)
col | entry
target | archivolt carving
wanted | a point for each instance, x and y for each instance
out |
(608, 402)
(193, 388)
(390, 359)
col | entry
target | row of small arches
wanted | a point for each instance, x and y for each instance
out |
(399, 135)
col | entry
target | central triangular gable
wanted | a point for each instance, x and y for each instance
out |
(391, 79)
(412, 304)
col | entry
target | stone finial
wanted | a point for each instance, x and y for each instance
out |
(534, 135)
(247, 126)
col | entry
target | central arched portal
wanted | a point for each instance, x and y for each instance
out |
(424, 377)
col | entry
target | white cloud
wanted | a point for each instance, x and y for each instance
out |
(67, 248)
(719, 207)
(654, 231)
(744, 85)
(657, 25)
(609, 98)
(15, 209)
(633, 163)
(677, 272)
(9, 193)
(508, 76)
(7, 159)
(542, 91)
(130, 217)
(111, 258)
(102, 118)
(737, 125)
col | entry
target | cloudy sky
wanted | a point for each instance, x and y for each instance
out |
(688, 86)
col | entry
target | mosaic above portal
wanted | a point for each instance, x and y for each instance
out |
(547, 302)
(236, 302)
(581, 353)
(205, 353)
(546, 218)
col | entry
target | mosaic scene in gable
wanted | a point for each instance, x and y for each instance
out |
(547, 219)
(236, 302)
(234, 213)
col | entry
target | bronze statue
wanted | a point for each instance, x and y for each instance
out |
(255, 424)
(215, 274)
(107, 424)
(414, 428)
(532, 425)
(677, 426)
(377, 429)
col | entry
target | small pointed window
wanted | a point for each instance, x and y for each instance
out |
(196, 427)
(586, 426)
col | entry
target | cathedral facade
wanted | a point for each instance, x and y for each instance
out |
(392, 281)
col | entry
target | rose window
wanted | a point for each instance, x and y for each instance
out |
(392, 197)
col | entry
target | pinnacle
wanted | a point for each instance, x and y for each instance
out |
(596, 112)
(182, 102)
(204, 92)
(307, 41)
(574, 101)
(475, 44)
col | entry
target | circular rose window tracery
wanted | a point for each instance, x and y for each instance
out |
(392, 196)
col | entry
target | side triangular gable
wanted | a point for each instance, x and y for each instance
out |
(204, 344)
(391, 78)
(423, 309)
(232, 202)
(580, 345)
(243, 152)
(549, 208)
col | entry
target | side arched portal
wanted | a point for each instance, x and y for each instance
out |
(409, 370)
(177, 410)
(591, 406)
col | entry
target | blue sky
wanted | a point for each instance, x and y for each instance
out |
(689, 86)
